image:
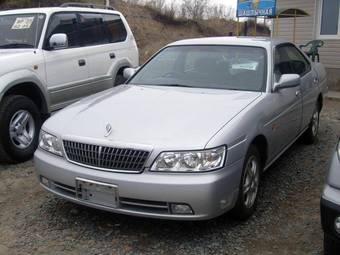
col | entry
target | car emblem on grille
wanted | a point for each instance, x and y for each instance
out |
(108, 130)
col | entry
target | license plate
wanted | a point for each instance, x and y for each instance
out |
(93, 192)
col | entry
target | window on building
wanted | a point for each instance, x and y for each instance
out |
(330, 18)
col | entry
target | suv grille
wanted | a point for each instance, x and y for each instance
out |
(106, 158)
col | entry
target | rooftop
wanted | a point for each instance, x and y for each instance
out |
(50, 10)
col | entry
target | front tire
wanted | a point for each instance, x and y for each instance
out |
(331, 247)
(311, 134)
(19, 129)
(249, 186)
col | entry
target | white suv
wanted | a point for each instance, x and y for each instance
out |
(50, 58)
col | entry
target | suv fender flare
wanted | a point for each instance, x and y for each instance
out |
(12, 79)
(118, 65)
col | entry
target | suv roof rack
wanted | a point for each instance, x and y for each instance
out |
(87, 5)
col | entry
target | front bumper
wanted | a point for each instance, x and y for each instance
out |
(208, 194)
(330, 210)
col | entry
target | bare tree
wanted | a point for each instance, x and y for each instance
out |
(157, 4)
(194, 9)
(219, 11)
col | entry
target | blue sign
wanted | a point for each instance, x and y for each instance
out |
(253, 8)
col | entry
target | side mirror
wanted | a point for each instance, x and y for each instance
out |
(58, 41)
(129, 72)
(287, 81)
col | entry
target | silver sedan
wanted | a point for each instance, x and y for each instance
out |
(190, 133)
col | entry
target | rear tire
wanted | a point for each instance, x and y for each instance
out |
(249, 186)
(311, 134)
(19, 129)
(331, 247)
(119, 80)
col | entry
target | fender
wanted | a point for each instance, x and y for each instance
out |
(12, 79)
(118, 65)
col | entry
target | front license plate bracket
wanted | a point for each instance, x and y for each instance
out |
(93, 192)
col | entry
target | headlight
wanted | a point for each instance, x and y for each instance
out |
(190, 161)
(50, 143)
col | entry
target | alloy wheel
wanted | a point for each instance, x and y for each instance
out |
(22, 129)
(251, 182)
(315, 123)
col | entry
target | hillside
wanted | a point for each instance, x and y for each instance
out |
(151, 28)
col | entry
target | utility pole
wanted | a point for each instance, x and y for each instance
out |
(107, 3)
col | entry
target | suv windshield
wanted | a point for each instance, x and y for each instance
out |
(216, 67)
(20, 30)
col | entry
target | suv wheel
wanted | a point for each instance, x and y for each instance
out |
(249, 187)
(119, 80)
(19, 128)
(311, 134)
(331, 247)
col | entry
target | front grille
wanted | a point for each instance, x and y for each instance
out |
(106, 158)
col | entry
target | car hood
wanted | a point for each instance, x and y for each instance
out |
(162, 117)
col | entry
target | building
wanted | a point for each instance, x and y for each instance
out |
(322, 23)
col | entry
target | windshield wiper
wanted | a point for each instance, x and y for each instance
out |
(16, 45)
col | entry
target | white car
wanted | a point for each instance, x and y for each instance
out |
(52, 57)
(188, 136)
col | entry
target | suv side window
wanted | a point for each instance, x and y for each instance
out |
(289, 60)
(65, 23)
(92, 29)
(115, 28)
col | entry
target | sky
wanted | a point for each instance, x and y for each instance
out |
(232, 3)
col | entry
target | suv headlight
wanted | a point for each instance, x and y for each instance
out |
(50, 143)
(190, 161)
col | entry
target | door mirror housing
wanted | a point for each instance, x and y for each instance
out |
(287, 81)
(129, 72)
(58, 41)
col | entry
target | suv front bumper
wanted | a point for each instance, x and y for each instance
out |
(147, 194)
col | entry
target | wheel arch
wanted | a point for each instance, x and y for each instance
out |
(32, 91)
(261, 143)
(25, 83)
(320, 101)
(119, 68)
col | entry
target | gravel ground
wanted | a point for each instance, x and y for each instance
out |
(286, 222)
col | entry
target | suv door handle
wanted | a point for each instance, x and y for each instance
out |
(298, 93)
(112, 55)
(82, 62)
(316, 80)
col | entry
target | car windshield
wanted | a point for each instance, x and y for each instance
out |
(216, 67)
(20, 30)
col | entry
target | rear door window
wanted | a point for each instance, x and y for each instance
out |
(92, 29)
(115, 28)
(64, 23)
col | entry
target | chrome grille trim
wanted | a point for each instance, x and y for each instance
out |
(105, 158)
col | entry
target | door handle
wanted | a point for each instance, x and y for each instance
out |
(82, 62)
(112, 55)
(298, 93)
(316, 80)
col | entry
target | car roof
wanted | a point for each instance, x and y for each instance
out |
(51, 10)
(266, 42)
